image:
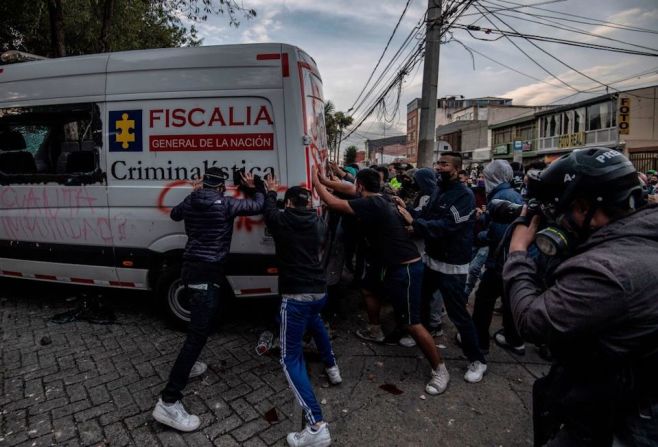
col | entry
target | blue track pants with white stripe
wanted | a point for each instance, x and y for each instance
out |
(296, 318)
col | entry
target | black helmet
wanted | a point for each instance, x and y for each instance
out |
(602, 175)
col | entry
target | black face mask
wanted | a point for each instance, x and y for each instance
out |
(445, 177)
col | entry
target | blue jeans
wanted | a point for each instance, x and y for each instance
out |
(203, 307)
(296, 318)
(475, 268)
(454, 298)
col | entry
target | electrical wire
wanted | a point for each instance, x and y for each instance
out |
(592, 21)
(383, 53)
(556, 24)
(550, 39)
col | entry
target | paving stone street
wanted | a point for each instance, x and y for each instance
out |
(95, 385)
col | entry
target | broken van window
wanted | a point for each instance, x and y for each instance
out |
(45, 144)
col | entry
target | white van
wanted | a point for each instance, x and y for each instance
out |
(95, 150)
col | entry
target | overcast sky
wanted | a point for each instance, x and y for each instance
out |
(346, 38)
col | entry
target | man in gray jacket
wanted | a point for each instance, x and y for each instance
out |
(600, 315)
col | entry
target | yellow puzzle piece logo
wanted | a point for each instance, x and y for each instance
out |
(123, 127)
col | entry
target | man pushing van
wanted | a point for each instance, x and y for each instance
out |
(208, 217)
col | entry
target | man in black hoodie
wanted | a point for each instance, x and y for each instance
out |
(208, 217)
(298, 234)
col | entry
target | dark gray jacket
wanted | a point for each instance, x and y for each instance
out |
(299, 237)
(607, 292)
(208, 216)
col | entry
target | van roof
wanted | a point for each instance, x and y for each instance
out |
(87, 74)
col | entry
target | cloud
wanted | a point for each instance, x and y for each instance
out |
(262, 27)
(635, 17)
(540, 94)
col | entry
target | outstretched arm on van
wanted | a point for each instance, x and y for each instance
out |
(332, 201)
(337, 185)
(270, 211)
(248, 206)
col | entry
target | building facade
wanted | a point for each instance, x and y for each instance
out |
(627, 121)
(387, 150)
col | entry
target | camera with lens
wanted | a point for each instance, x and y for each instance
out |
(551, 240)
(504, 211)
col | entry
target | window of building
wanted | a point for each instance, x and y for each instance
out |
(50, 144)
(579, 120)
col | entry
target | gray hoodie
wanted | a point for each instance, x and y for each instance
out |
(495, 173)
(607, 291)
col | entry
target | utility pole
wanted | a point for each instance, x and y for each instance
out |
(427, 133)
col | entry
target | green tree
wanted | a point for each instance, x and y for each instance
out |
(350, 155)
(57, 28)
(335, 123)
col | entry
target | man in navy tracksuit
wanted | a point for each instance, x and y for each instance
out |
(446, 224)
(298, 234)
(208, 217)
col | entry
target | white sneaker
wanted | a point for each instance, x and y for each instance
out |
(372, 333)
(310, 438)
(475, 372)
(407, 341)
(333, 374)
(198, 369)
(439, 382)
(175, 416)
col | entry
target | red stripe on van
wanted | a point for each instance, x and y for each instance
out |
(267, 56)
(47, 277)
(285, 67)
(122, 284)
(82, 280)
(255, 291)
(9, 273)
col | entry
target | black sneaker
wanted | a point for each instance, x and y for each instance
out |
(436, 331)
(501, 341)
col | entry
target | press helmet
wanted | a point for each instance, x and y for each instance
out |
(603, 176)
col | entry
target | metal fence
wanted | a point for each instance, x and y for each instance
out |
(643, 161)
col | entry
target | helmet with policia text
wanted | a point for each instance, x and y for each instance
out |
(603, 176)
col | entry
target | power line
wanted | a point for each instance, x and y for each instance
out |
(390, 63)
(383, 53)
(505, 66)
(531, 58)
(593, 21)
(414, 59)
(550, 39)
(559, 25)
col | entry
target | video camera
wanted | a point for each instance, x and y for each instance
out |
(550, 239)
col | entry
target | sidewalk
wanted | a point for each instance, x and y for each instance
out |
(96, 385)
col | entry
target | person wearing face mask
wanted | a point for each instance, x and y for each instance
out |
(395, 267)
(600, 314)
(498, 177)
(446, 225)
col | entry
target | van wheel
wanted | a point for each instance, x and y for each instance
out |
(170, 290)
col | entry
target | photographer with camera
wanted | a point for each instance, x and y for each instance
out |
(498, 177)
(600, 315)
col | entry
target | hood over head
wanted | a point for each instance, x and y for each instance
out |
(426, 180)
(496, 173)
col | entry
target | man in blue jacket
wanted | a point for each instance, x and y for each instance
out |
(446, 224)
(498, 177)
(208, 217)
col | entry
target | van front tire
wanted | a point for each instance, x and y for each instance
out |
(172, 294)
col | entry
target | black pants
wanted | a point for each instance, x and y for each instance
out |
(490, 288)
(204, 305)
(454, 299)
